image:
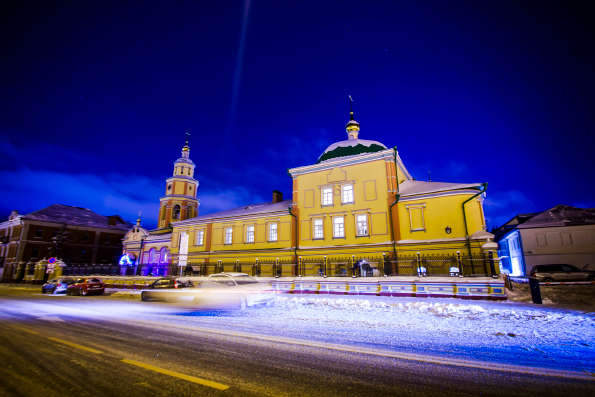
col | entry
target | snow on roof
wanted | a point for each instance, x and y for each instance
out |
(258, 208)
(561, 215)
(410, 188)
(59, 213)
(353, 142)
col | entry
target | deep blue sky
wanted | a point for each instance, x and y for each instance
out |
(95, 97)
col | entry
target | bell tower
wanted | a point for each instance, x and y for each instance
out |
(180, 201)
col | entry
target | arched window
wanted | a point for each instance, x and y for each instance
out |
(189, 212)
(188, 170)
(152, 255)
(163, 256)
(163, 208)
(175, 214)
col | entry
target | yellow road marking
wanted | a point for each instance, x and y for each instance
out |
(88, 349)
(25, 329)
(381, 353)
(189, 378)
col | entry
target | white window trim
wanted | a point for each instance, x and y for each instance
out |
(231, 235)
(314, 228)
(352, 193)
(253, 226)
(276, 232)
(334, 230)
(198, 233)
(367, 224)
(322, 189)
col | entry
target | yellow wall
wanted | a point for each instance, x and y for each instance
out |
(438, 213)
(370, 198)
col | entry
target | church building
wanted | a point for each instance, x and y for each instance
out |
(357, 199)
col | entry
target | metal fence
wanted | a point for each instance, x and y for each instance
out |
(444, 265)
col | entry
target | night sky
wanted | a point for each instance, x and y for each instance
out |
(95, 97)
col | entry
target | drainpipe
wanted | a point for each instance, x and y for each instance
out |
(296, 230)
(139, 265)
(485, 187)
(390, 208)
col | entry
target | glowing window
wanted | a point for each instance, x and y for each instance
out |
(362, 225)
(347, 193)
(338, 226)
(200, 235)
(152, 255)
(228, 235)
(250, 234)
(272, 232)
(327, 196)
(163, 256)
(318, 229)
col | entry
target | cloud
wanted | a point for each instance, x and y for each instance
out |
(500, 207)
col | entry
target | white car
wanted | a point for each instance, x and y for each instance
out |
(232, 290)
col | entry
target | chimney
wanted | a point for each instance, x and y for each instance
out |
(277, 196)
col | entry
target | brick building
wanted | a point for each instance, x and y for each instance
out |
(26, 239)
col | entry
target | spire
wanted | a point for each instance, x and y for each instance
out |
(186, 148)
(138, 220)
(352, 127)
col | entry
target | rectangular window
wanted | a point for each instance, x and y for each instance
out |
(39, 232)
(338, 226)
(250, 234)
(362, 225)
(327, 196)
(107, 239)
(347, 193)
(228, 235)
(272, 232)
(85, 237)
(318, 229)
(416, 217)
(35, 252)
(200, 236)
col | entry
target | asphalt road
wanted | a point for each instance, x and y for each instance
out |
(100, 346)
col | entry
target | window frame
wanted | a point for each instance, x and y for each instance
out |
(276, 229)
(200, 233)
(314, 224)
(351, 185)
(228, 233)
(247, 235)
(322, 198)
(422, 208)
(39, 232)
(357, 228)
(335, 223)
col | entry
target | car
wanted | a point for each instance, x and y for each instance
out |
(233, 290)
(156, 291)
(561, 273)
(56, 285)
(86, 286)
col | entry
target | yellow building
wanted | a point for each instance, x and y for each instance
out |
(358, 201)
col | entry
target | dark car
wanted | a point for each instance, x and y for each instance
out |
(56, 285)
(85, 286)
(165, 283)
(561, 273)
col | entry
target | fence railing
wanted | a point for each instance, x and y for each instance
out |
(477, 265)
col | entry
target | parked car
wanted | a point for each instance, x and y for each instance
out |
(549, 273)
(233, 290)
(56, 285)
(156, 291)
(86, 285)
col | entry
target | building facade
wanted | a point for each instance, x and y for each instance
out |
(89, 238)
(560, 235)
(357, 199)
